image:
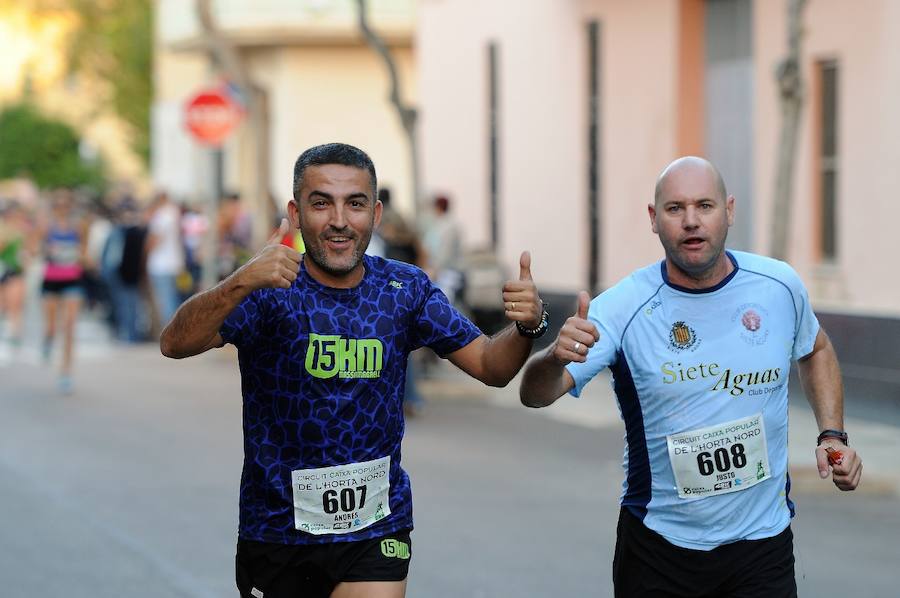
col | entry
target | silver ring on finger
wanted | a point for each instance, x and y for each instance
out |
(513, 306)
(577, 347)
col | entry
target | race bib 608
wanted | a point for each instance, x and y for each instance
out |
(726, 457)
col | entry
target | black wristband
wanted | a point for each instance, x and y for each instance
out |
(539, 330)
(839, 434)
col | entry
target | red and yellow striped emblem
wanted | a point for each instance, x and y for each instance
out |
(681, 333)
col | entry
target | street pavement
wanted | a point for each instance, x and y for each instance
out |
(129, 486)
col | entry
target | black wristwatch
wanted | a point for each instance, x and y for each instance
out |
(839, 434)
(539, 330)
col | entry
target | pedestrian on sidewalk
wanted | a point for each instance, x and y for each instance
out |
(165, 255)
(323, 340)
(123, 263)
(442, 241)
(700, 347)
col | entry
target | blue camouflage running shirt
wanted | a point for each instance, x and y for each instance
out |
(322, 377)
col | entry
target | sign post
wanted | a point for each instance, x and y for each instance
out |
(210, 116)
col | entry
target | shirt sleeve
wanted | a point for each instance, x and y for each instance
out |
(440, 326)
(602, 354)
(241, 327)
(807, 325)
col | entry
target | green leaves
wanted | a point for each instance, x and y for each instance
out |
(44, 149)
(114, 41)
(110, 41)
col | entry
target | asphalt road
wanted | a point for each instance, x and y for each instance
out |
(129, 488)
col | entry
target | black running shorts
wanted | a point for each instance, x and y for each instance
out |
(286, 571)
(646, 564)
(62, 287)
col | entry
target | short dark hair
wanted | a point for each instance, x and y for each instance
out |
(333, 153)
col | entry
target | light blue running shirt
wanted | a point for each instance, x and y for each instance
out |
(701, 379)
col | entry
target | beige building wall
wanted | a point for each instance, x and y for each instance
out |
(320, 95)
(645, 60)
(543, 128)
(639, 70)
(323, 84)
(864, 39)
(453, 113)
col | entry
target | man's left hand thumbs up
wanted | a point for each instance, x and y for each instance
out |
(521, 301)
(525, 266)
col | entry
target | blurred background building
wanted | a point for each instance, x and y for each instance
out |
(551, 120)
(545, 122)
(318, 81)
(49, 60)
(661, 79)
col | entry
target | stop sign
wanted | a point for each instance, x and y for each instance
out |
(211, 115)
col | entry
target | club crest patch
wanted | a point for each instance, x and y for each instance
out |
(682, 337)
(752, 322)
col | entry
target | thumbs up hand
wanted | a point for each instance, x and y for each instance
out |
(577, 335)
(279, 233)
(275, 266)
(521, 301)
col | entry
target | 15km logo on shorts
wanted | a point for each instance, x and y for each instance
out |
(330, 355)
(392, 548)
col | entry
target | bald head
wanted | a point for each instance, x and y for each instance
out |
(689, 166)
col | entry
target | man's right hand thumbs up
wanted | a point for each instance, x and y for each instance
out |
(279, 234)
(577, 335)
(275, 265)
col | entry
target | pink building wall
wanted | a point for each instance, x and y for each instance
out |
(543, 133)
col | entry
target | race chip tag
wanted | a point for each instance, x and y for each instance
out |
(727, 457)
(343, 498)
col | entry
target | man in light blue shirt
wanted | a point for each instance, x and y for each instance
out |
(700, 346)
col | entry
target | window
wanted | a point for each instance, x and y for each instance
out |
(493, 141)
(828, 159)
(593, 139)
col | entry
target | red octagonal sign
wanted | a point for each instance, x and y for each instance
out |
(211, 115)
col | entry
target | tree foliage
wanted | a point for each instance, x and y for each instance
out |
(44, 149)
(112, 40)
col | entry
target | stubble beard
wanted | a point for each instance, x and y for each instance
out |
(697, 271)
(316, 252)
